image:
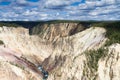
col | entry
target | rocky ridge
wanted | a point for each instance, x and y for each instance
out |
(60, 49)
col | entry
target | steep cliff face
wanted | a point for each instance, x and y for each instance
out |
(51, 32)
(109, 67)
(67, 60)
(68, 51)
(12, 72)
(19, 40)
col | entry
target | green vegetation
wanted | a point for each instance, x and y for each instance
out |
(26, 24)
(113, 34)
(19, 66)
(8, 24)
(94, 56)
(113, 31)
(61, 21)
(91, 66)
(1, 42)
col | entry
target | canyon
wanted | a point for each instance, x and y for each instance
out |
(67, 51)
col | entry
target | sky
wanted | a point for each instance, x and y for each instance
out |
(33, 10)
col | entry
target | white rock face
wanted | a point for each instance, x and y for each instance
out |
(61, 54)
(67, 61)
(52, 32)
(11, 72)
(109, 67)
(19, 40)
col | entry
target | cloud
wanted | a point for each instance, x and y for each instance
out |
(60, 9)
(57, 4)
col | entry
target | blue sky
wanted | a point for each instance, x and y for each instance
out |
(32, 10)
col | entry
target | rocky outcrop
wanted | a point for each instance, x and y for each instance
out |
(9, 71)
(67, 60)
(19, 40)
(51, 32)
(14, 66)
(109, 67)
(61, 50)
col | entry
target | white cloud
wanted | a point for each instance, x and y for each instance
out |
(61, 9)
(57, 3)
(28, 13)
(22, 1)
(43, 15)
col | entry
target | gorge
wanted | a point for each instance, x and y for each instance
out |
(66, 50)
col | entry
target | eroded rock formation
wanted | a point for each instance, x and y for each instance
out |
(60, 48)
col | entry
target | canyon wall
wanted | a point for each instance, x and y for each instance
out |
(63, 49)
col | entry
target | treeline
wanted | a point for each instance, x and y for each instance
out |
(112, 27)
(8, 24)
(26, 24)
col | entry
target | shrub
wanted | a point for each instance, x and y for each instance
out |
(1, 42)
(93, 57)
